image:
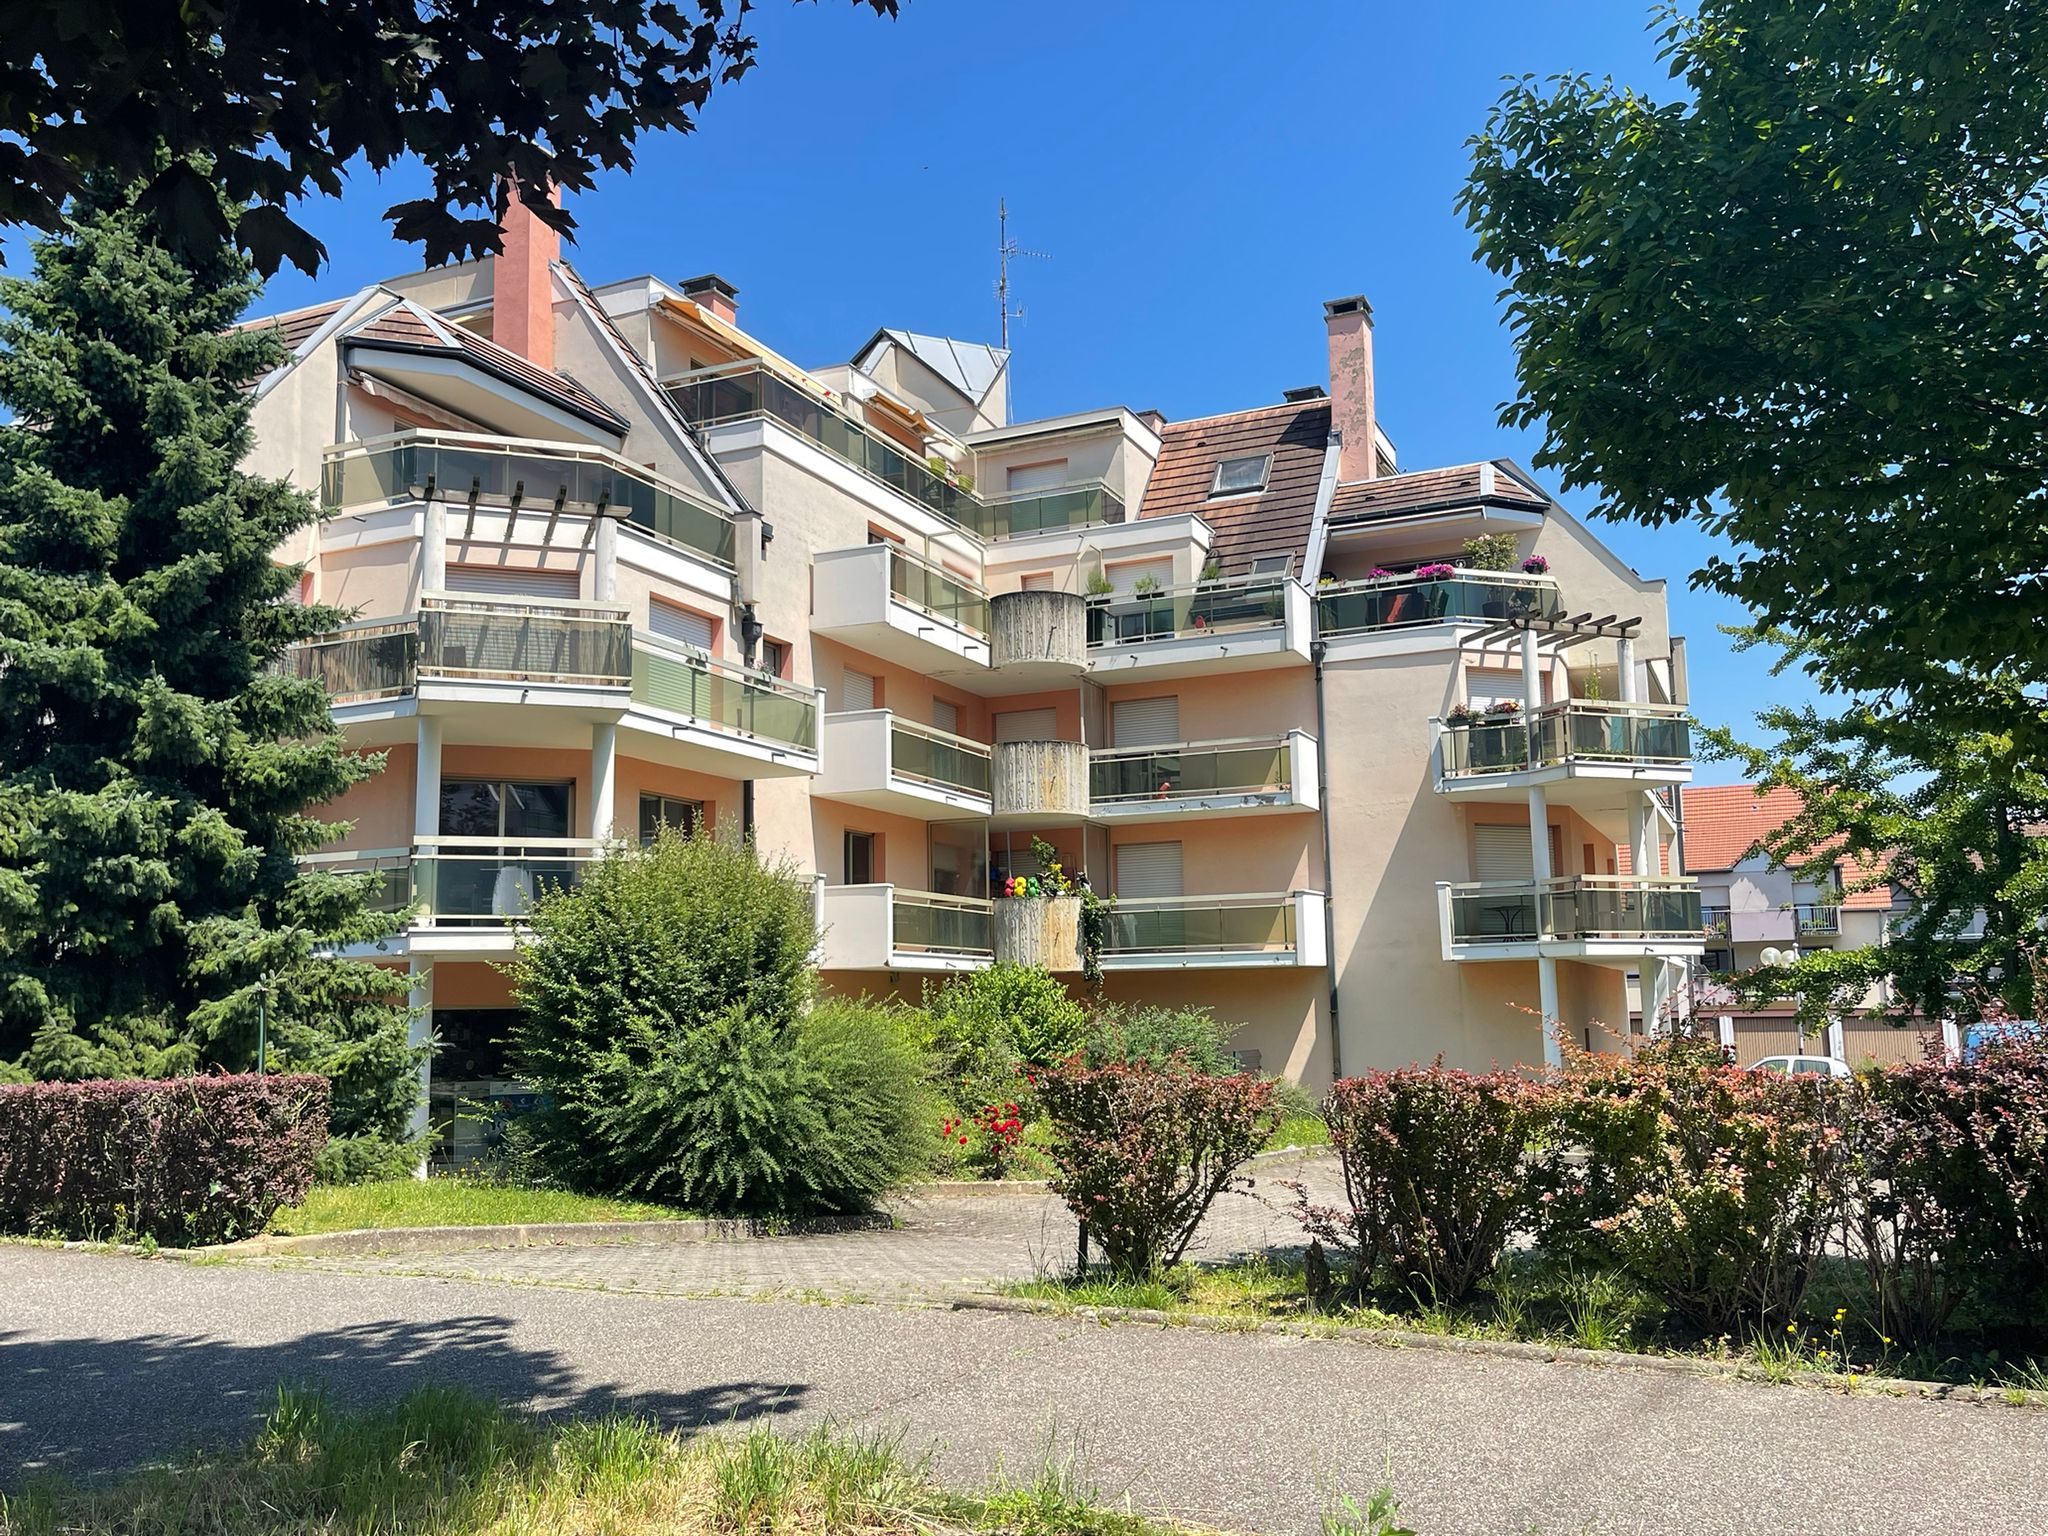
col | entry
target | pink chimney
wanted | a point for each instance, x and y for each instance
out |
(523, 284)
(1351, 402)
(714, 293)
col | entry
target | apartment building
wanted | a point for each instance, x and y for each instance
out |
(616, 562)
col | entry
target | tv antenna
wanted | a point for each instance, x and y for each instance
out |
(1005, 249)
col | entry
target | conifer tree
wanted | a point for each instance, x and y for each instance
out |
(156, 767)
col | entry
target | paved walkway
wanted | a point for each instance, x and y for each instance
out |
(107, 1360)
(947, 1243)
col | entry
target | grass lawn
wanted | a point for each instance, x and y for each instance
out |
(450, 1203)
(1299, 1131)
(1531, 1301)
(444, 1462)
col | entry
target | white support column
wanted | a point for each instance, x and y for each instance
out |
(1642, 839)
(1539, 845)
(434, 547)
(1532, 672)
(604, 584)
(1726, 1027)
(1546, 992)
(419, 997)
(1838, 1047)
(1656, 988)
(604, 767)
(426, 793)
(1625, 669)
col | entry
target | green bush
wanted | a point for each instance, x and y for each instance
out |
(366, 1160)
(1155, 1035)
(665, 1010)
(987, 1024)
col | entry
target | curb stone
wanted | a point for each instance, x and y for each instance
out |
(390, 1240)
(1506, 1349)
(999, 1187)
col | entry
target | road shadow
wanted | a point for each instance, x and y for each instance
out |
(80, 1406)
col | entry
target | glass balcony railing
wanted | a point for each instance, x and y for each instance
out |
(1593, 730)
(1580, 907)
(938, 757)
(740, 391)
(1485, 744)
(1394, 602)
(525, 642)
(924, 585)
(485, 881)
(1200, 924)
(1172, 613)
(674, 677)
(390, 871)
(1261, 766)
(929, 923)
(1070, 506)
(376, 659)
(462, 469)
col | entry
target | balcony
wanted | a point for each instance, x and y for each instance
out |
(1243, 624)
(1714, 921)
(1588, 917)
(469, 894)
(749, 391)
(1041, 783)
(877, 759)
(1409, 601)
(1249, 775)
(882, 928)
(694, 711)
(888, 602)
(1818, 919)
(1593, 755)
(1168, 933)
(539, 480)
(1053, 511)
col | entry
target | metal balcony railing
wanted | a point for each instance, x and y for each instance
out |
(675, 677)
(463, 468)
(1246, 766)
(1817, 917)
(1231, 606)
(373, 659)
(1200, 924)
(1576, 907)
(1395, 602)
(557, 642)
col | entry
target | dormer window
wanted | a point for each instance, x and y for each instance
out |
(1241, 477)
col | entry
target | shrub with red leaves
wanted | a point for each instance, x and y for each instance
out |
(180, 1160)
(1433, 1177)
(1143, 1149)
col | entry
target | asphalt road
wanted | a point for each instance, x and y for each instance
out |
(107, 1361)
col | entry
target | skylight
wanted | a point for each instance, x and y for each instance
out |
(1237, 477)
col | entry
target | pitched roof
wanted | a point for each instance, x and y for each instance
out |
(1434, 490)
(408, 327)
(294, 326)
(1724, 821)
(971, 367)
(1271, 522)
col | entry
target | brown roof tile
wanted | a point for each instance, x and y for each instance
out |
(1724, 821)
(296, 325)
(1277, 520)
(1431, 490)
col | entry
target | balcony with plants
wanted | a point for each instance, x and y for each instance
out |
(1218, 624)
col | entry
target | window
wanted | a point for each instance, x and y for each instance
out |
(519, 586)
(1240, 477)
(856, 690)
(1148, 869)
(1028, 725)
(499, 808)
(775, 657)
(1039, 581)
(860, 858)
(1145, 722)
(658, 811)
(946, 716)
(1125, 576)
(1280, 564)
(1036, 477)
(681, 625)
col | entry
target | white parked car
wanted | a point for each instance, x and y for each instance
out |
(1803, 1066)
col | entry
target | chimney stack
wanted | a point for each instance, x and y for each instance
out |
(1351, 399)
(712, 292)
(523, 283)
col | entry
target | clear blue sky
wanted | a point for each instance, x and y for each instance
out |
(1204, 175)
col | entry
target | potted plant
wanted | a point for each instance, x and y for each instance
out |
(1500, 745)
(1099, 585)
(1489, 552)
(1145, 586)
(1536, 565)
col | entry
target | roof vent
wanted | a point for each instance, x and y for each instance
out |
(1304, 394)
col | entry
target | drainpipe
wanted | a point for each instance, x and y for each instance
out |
(746, 810)
(1317, 650)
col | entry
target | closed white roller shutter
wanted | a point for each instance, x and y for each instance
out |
(679, 624)
(1039, 581)
(517, 585)
(856, 690)
(1491, 685)
(1145, 722)
(946, 716)
(1125, 578)
(1038, 477)
(1148, 869)
(1028, 725)
(1502, 853)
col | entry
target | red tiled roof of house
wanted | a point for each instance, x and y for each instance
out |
(296, 325)
(407, 328)
(1273, 522)
(1433, 490)
(1724, 821)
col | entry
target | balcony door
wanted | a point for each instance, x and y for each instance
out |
(500, 880)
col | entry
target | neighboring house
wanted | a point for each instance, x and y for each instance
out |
(1753, 913)
(617, 563)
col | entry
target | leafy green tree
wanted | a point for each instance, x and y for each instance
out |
(284, 98)
(155, 765)
(666, 1009)
(1801, 306)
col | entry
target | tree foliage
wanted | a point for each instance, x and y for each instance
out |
(283, 98)
(155, 766)
(1802, 307)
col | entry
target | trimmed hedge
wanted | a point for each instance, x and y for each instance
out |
(180, 1160)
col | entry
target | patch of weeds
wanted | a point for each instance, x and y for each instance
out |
(1379, 1515)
